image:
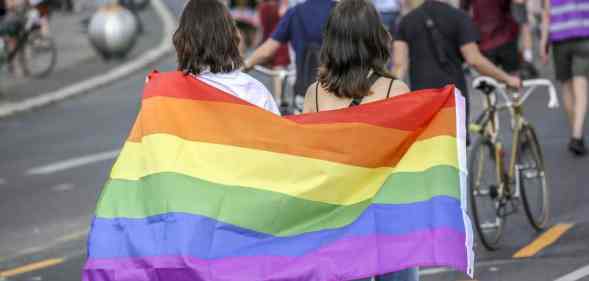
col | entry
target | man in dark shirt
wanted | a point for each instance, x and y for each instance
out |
(414, 44)
(457, 37)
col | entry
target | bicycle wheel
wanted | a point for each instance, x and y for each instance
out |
(39, 55)
(533, 184)
(483, 185)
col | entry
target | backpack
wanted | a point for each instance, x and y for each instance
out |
(307, 71)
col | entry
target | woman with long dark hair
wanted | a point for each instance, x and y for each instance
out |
(353, 71)
(207, 48)
(353, 60)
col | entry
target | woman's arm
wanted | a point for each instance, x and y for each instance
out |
(262, 53)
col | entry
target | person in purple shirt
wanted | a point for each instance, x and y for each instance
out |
(564, 27)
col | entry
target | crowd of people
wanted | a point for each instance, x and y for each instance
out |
(363, 50)
(434, 39)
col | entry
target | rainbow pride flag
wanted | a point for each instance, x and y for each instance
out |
(210, 187)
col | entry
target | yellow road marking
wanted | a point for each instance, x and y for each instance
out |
(546, 239)
(31, 267)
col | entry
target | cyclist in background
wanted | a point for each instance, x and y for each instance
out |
(11, 24)
(564, 28)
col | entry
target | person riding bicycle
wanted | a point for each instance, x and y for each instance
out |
(564, 28)
(302, 26)
(14, 19)
(436, 38)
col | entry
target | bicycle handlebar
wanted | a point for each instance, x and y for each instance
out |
(485, 83)
(553, 99)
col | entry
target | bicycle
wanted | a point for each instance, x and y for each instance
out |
(30, 46)
(496, 189)
(287, 103)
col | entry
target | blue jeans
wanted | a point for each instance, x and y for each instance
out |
(410, 274)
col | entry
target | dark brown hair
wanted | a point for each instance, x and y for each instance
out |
(355, 42)
(207, 38)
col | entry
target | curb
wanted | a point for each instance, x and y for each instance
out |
(145, 59)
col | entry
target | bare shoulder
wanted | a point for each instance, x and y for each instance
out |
(399, 88)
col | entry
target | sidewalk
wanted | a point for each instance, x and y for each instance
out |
(76, 58)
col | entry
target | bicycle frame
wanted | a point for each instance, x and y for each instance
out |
(488, 124)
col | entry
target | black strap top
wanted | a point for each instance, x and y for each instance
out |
(355, 101)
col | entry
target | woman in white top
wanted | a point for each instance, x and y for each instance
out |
(206, 43)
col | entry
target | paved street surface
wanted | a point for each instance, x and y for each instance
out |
(76, 58)
(55, 160)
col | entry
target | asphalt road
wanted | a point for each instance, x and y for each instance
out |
(54, 161)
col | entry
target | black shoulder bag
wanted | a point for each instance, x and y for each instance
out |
(439, 43)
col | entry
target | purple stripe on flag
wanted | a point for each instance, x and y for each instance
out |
(372, 255)
(180, 234)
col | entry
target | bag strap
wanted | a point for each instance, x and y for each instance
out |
(438, 40)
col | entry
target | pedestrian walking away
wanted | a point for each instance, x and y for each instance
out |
(564, 28)
(432, 42)
(301, 26)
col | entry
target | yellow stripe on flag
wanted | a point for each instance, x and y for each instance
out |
(297, 176)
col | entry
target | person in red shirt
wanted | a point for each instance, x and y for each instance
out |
(269, 13)
(499, 31)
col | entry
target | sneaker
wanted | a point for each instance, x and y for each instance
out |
(577, 147)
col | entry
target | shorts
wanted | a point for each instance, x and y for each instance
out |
(571, 58)
(11, 25)
(505, 56)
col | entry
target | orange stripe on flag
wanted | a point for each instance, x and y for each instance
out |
(368, 146)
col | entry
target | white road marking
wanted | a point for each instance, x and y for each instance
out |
(164, 47)
(492, 263)
(2, 181)
(575, 275)
(63, 187)
(73, 163)
(75, 235)
(433, 271)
